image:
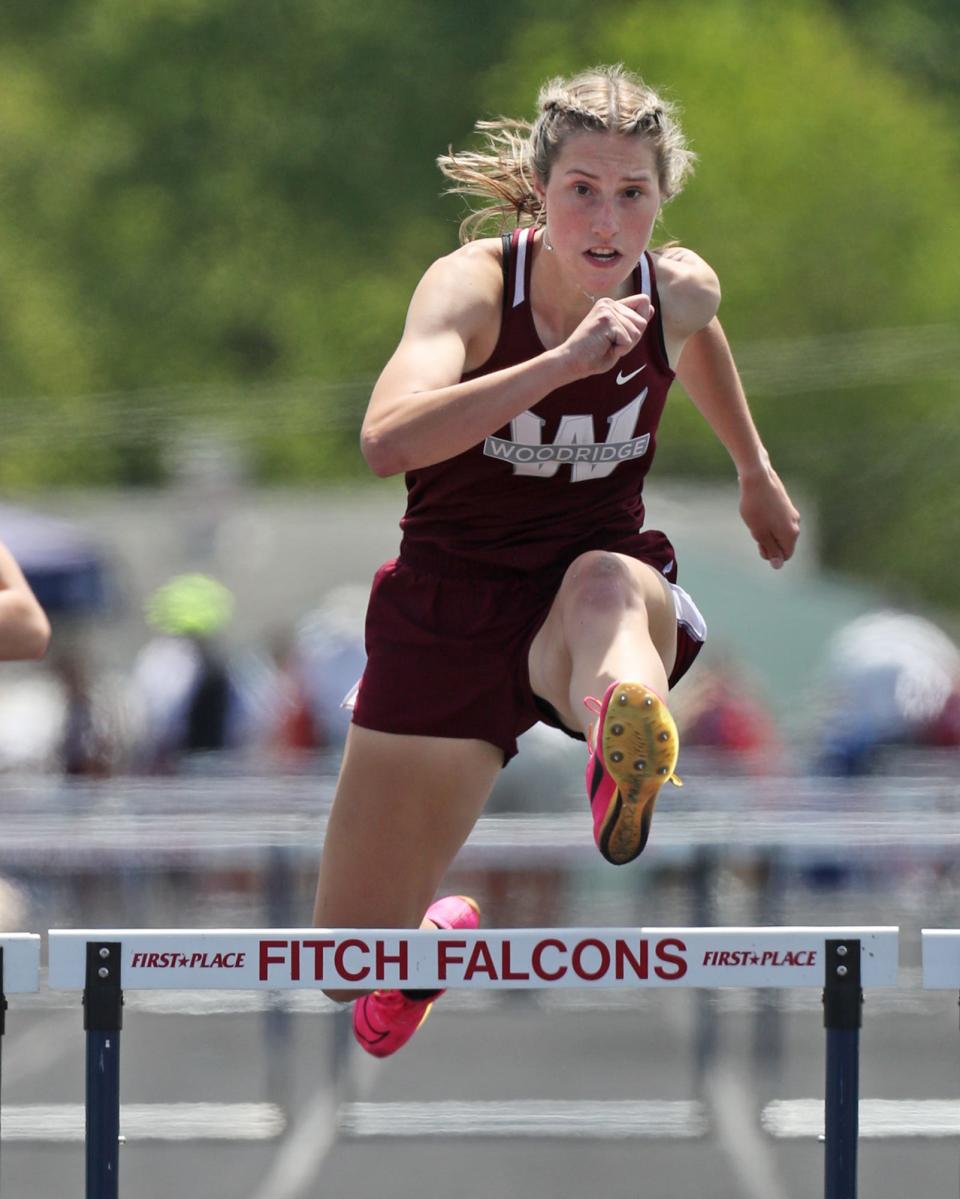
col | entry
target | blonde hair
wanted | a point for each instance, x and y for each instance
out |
(605, 100)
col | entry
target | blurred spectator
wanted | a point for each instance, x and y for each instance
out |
(892, 679)
(291, 728)
(85, 747)
(31, 715)
(721, 712)
(189, 701)
(14, 906)
(330, 644)
(943, 732)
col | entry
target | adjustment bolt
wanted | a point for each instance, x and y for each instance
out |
(842, 971)
(103, 972)
(104, 952)
(841, 951)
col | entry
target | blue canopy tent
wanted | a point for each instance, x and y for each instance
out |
(68, 573)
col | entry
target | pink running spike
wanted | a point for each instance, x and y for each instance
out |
(634, 753)
(384, 1021)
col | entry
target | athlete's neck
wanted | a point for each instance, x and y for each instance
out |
(558, 302)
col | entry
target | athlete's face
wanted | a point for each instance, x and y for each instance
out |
(602, 200)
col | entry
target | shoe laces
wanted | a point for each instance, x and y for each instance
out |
(594, 705)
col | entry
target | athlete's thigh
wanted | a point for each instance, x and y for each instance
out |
(404, 806)
(550, 657)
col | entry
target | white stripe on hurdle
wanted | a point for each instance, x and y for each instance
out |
(54, 1122)
(601, 1120)
(21, 962)
(878, 1118)
(941, 958)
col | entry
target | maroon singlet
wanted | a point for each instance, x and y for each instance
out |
(564, 476)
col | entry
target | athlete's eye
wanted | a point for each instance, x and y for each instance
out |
(634, 193)
(581, 189)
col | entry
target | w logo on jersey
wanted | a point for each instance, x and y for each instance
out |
(574, 445)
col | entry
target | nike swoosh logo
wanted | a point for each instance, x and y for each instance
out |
(622, 378)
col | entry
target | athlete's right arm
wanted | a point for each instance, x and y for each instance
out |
(421, 413)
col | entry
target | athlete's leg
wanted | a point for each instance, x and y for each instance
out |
(613, 618)
(613, 622)
(404, 806)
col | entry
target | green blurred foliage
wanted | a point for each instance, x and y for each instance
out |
(214, 214)
(919, 39)
(825, 197)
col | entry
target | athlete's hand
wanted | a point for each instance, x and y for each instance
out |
(769, 515)
(609, 330)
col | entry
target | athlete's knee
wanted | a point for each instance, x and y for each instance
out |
(598, 580)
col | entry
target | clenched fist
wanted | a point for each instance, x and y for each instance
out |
(609, 330)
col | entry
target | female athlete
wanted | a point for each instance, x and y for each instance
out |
(522, 403)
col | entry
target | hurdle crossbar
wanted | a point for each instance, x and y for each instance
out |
(364, 959)
(840, 960)
(19, 973)
(21, 962)
(940, 949)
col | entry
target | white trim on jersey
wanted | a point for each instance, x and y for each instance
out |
(518, 283)
(644, 274)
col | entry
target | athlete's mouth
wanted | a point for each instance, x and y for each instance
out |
(602, 255)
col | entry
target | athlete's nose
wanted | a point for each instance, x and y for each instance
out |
(605, 222)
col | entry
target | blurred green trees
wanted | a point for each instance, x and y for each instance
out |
(214, 213)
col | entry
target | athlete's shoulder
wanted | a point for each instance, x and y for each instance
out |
(475, 267)
(689, 289)
(467, 280)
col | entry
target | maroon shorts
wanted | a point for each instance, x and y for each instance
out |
(447, 643)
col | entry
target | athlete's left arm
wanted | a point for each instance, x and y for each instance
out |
(709, 375)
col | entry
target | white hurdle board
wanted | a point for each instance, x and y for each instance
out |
(21, 962)
(364, 959)
(941, 958)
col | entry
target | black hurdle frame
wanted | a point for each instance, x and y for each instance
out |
(842, 1019)
(102, 1021)
(3, 1029)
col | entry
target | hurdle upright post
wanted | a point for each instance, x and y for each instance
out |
(102, 1021)
(19, 971)
(842, 1018)
(3, 1029)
